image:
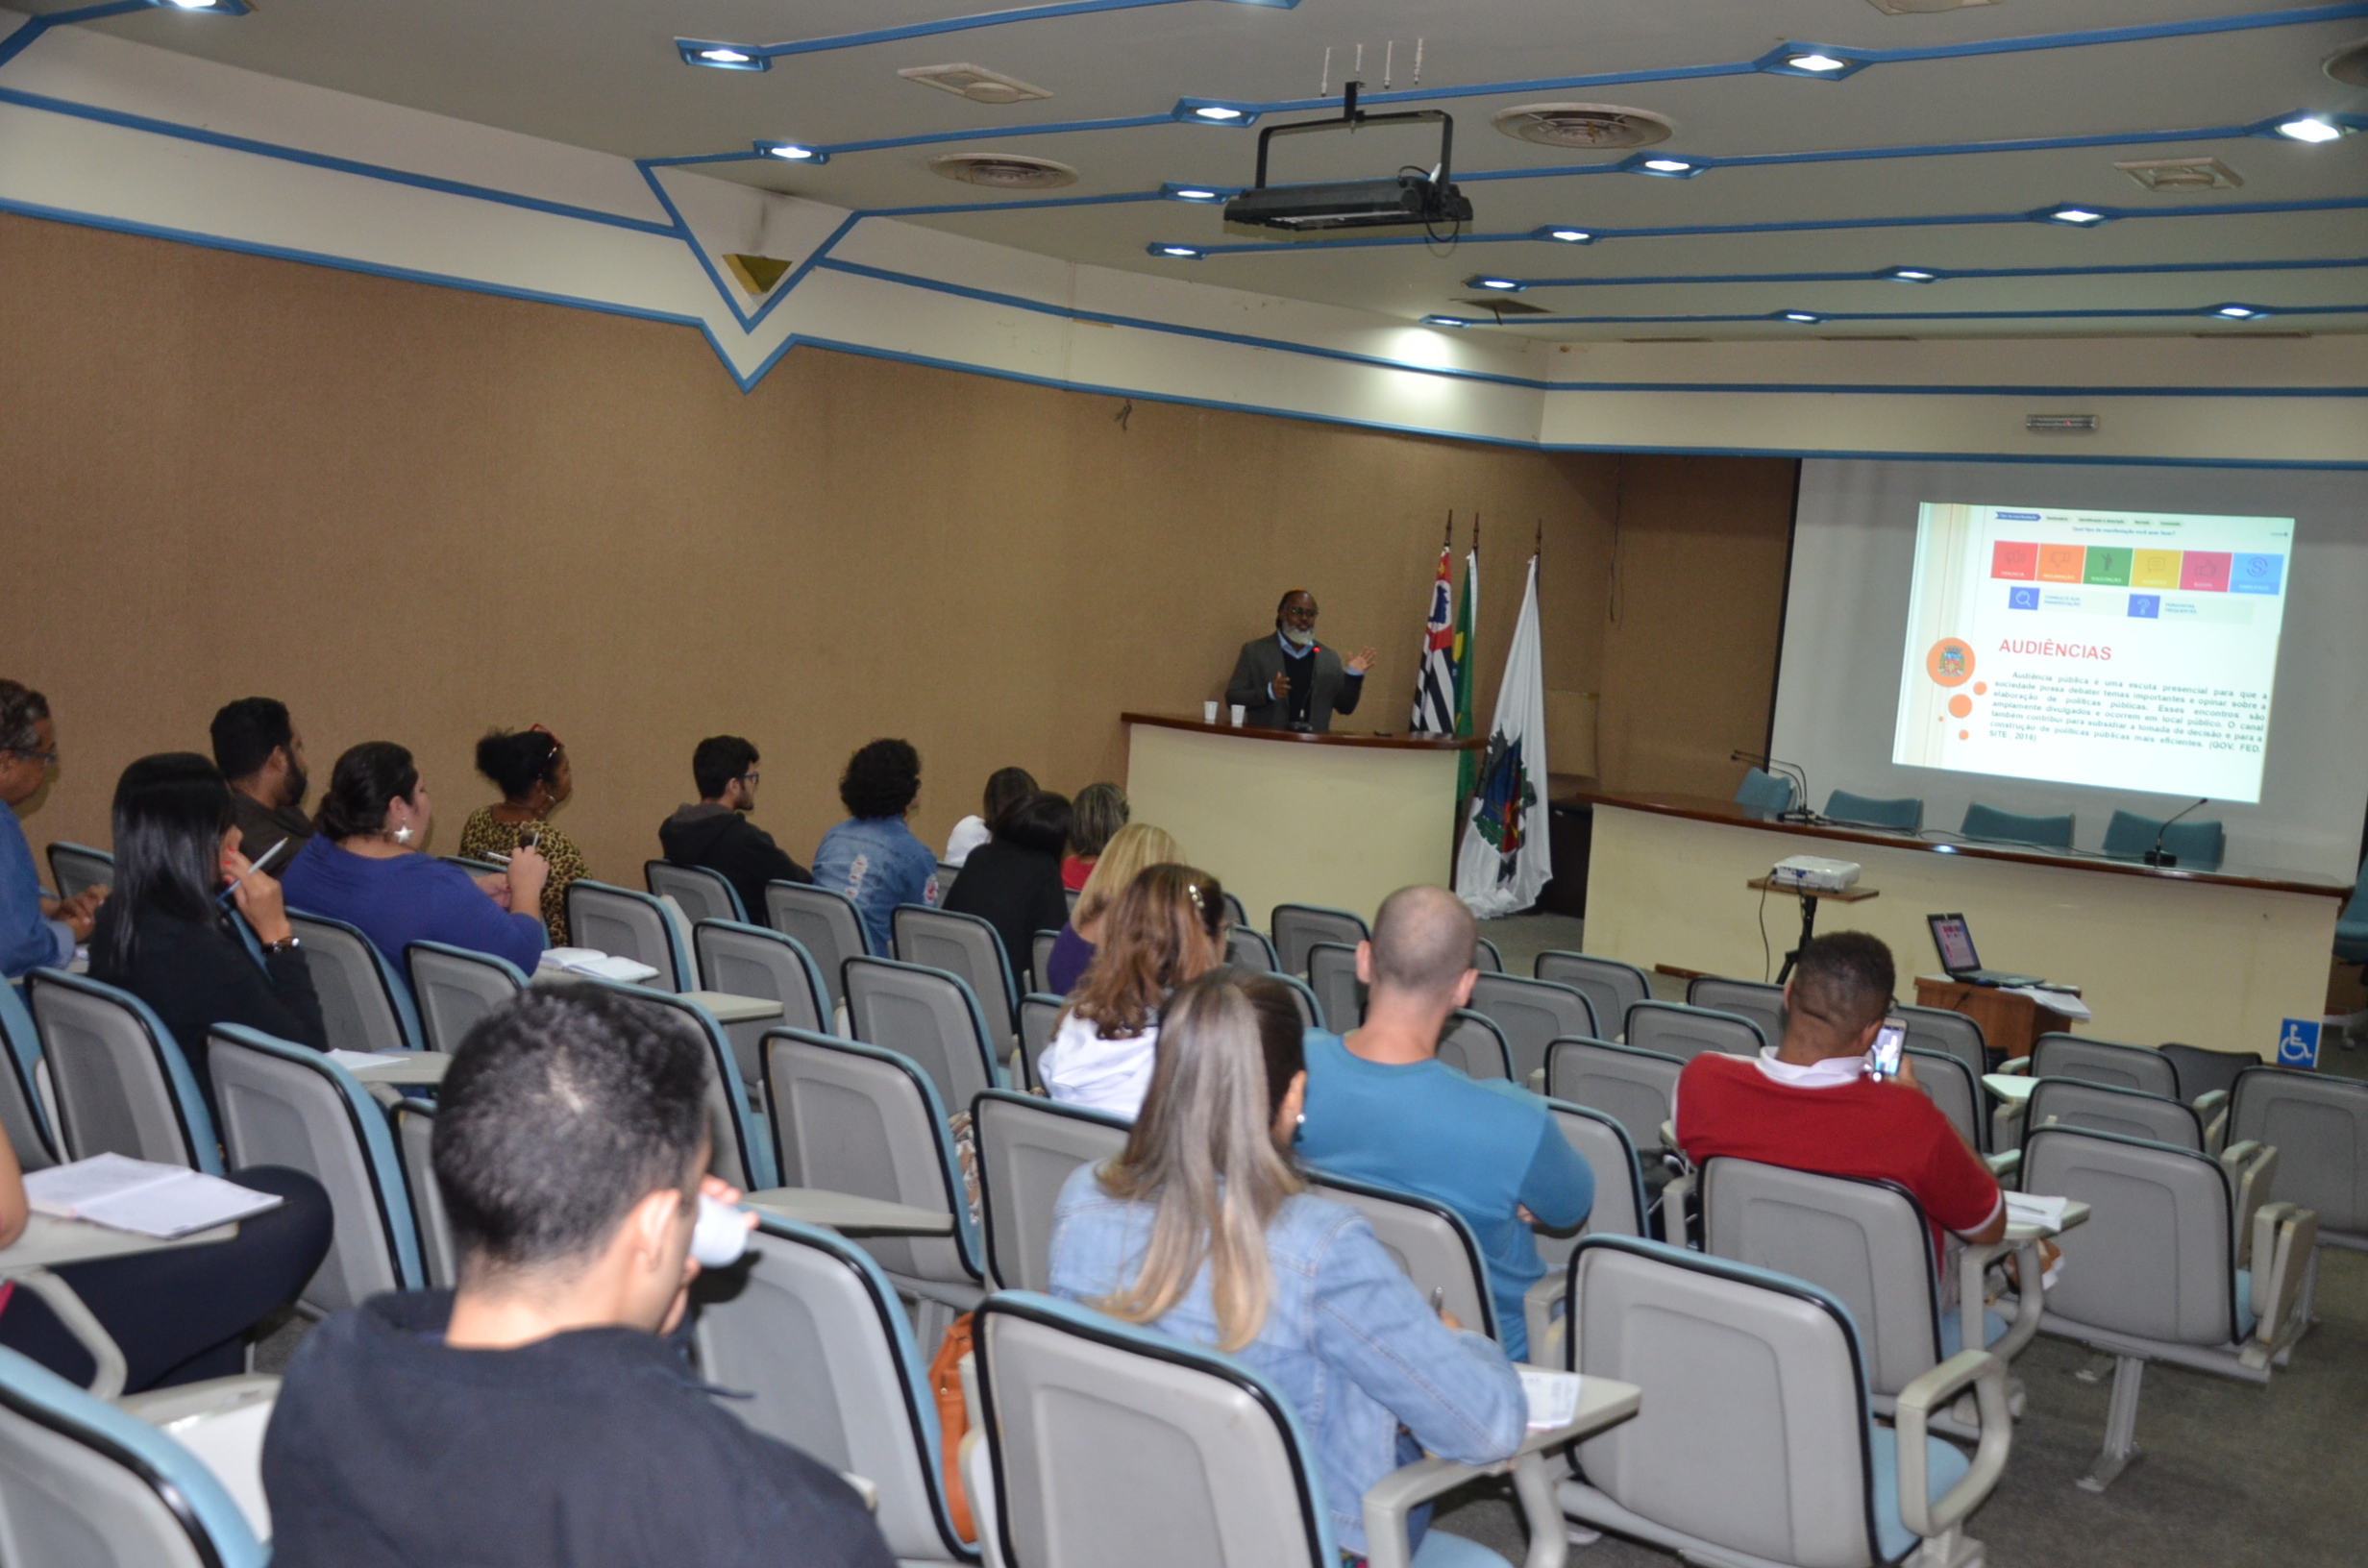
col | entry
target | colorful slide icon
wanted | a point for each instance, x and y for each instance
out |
(2114, 566)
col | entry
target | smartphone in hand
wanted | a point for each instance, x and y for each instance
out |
(1891, 1042)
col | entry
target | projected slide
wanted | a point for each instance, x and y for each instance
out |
(2130, 650)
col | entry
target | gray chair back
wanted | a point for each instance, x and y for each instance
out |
(849, 1118)
(1429, 1240)
(930, 1016)
(1298, 927)
(626, 922)
(1987, 824)
(827, 924)
(2104, 1108)
(1611, 988)
(947, 874)
(1532, 1014)
(1115, 1444)
(1952, 1034)
(75, 867)
(1474, 1046)
(1248, 949)
(743, 1152)
(1486, 958)
(2196, 846)
(1763, 1005)
(1040, 960)
(1901, 815)
(2156, 1259)
(703, 895)
(121, 1083)
(1039, 1017)
(1310, 1011)
(1687, 1032)
(1027, 1147)
(743, 960)
(2319, 1127)
(21, 1115)
(2201, 1071)
(440, 1255)
(1332, 975)
(1752, 1371)
(456, 986)
(282, 1104)
(1951, 1086)
(2058, 1055)
(1621, 1206)
(1866, 1242)
(85, 1483)
(1633, 1087)
(1234, 911)
(364, 1006)
(818, 1349)
(963, 945)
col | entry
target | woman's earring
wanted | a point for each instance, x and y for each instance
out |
(1302, 1121)
(403, 834)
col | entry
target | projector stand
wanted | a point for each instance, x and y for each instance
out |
(1810, 898)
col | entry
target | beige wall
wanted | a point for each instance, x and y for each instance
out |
(415, 512)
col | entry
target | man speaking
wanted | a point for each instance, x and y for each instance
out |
(1291, 681)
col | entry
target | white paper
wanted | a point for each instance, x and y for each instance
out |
(1553, 1397)
(2063, 1002)
(2030, 1209)
(353, 1061)
(588, 960)
(136, 1195)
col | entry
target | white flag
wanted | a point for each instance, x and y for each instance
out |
(1507, 855)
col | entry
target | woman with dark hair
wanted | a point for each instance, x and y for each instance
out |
(530, 768)
(873, 857)
(1201, 1229)
(1006, 788)
(365, 866)
(165, 937)
(1094, 819)
(1166, 929)
(1013, 881)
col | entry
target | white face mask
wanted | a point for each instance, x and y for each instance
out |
(1297, 638)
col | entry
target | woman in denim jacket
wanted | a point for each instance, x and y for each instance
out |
(1202, 1229)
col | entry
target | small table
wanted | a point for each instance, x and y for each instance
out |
(49, 1242)
(2014, 1088)
(402, 1067)
(2009, 1021)
(849, 1213)
(1810, 900)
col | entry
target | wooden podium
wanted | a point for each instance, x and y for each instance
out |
(1282, 817)
(2009, 1023)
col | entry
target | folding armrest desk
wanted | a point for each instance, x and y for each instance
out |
(2161, 953)
(1282, 818)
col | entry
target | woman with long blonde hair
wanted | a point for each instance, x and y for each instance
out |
(1129, 851)
(1201, 1229)
(1165, 928)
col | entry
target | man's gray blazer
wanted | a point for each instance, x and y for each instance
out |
(1262, 660)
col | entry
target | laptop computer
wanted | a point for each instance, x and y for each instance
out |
(1954, 939)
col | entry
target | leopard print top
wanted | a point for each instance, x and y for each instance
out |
(483, 833)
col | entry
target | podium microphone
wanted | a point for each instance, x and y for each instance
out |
(1793, 771)
(2157, 856)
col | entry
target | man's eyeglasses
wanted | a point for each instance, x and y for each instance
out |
(750, 777)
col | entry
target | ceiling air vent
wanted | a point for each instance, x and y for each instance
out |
(1004, 171)
(1913, 7)
(2177, 174)
(2348, 64)
(975, 83)
(1502, 306)
(1582, 125)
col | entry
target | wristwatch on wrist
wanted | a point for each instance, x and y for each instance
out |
(286, 945)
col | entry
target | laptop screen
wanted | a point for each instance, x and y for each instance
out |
(1954, 939)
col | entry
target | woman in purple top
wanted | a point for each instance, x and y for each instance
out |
(365, 868)
(1130, 850)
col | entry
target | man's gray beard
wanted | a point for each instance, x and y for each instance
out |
(1296, 638)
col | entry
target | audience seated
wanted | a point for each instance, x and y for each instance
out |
(1130, 850)
(1201, 1229)
(1810, 1105)
(365, 866)
(1094, 818)
(530, 768)
(259, 752)
(165, 937)
(540, 1413)
(1168, 928)
(182, 1314)
(717, 834)
(35, 930)
(1382, 1108)
(1005, 786)
(874, 857)
(1013, 881)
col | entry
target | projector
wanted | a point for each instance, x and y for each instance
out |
(1408, 201)
(1815, 873)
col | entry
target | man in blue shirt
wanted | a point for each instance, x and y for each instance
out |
(35, 930)
(1382, 1108)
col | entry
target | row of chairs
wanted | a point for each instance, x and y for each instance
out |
(2200, 845)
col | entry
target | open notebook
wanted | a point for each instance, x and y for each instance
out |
(136, 1195)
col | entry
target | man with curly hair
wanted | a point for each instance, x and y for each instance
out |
(873, 857)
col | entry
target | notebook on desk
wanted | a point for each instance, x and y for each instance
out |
(1954, 939)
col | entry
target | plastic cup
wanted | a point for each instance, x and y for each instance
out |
(1238, 711)
(1208, 712)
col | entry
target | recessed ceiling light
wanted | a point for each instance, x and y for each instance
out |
(1193, 193)
(791, 152)
(1668, 165)
(2309, 128)
(2240, 312)
(1444, 321)
(1182, 253)
(195, 5)
(1217, 112)
(714, 55)
(719, 57)
(1817, 62)
(1507, 285)
(1802, 315)
(1570, 236)
(1912, 275)
(2080, 217)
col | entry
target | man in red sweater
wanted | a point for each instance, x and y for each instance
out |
(1809, 1104)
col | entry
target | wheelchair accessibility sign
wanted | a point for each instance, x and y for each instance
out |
(2297, 1043)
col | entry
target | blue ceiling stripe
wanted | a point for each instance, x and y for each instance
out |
(2197, 313)
(950, 24)
(18, 41)
(1945, 275)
